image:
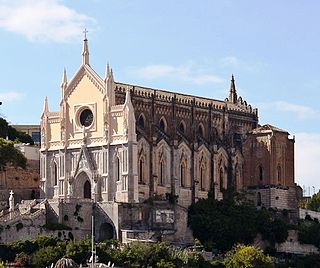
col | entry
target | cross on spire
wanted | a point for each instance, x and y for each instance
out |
(85, 33)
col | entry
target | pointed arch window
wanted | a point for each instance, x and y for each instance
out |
(279, 174)
(162, 125)
(55, 173)
(221, 179)
(202, 186)
(141, 170)
(117, 169)
(259, 199)
(260, 170)
(161, 173)
(141, 121)
(200, 131)
(182, 127)
(183, 174)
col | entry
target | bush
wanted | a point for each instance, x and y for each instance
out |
(242, 256)
(47, 255)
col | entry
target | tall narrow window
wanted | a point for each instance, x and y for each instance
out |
(118, 169)
(259, 199)
(221, 175)
(260, 173)
(141, 168)
(201, 178)
(55, 173)
(200, 131)
(182, 175)
(162, 125)
(161, 173)
(182, 127)
(279, 174)
(141, 121)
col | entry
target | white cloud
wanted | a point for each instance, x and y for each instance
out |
(188, 73)
(10, 96)
(307, 153)
(230, 61)
(42, 20)
(300, 111)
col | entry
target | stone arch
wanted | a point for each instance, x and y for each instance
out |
(163, 124)
(184, 165)
(106, 232)
(87, 190)
(182, 127)
(201, 132)
(237, 170)
(82, 186)
(221, 173)
(203, 168)
(143, 161)
(141, 121)
(163, 158)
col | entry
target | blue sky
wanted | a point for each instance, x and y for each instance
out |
(272, 48)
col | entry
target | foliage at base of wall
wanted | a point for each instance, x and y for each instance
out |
(221, 224)
(309, 232)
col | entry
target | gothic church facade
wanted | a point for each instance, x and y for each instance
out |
(119, 146)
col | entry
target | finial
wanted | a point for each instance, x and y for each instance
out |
(233, 93)
(85, 31)
(45, 106)
(85, 50)
(107, 72)
(64, 79)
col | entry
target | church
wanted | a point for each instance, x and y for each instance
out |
(137, 157)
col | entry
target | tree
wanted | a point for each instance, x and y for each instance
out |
(216, 223)
(242, 256)
(12, 134)
(10, 155)
(314, 202)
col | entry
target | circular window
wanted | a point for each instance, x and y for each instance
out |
(86, 117)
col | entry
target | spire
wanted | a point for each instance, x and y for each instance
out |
(45, 106)
(233, 93)
(128, 96)
(85, 50)
(64, 79)
(107, 73)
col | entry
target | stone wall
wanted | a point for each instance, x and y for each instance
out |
(275, 197)
(304, 212)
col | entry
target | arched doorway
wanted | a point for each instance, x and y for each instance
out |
(87, 190)
(106, 231)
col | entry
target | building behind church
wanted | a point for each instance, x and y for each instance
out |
(137, 157)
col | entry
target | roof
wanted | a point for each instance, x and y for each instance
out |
(268, 129)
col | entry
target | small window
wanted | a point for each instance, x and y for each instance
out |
(161, 174)
(141, 170)
(141, 121)
(221, 175)
(279, 174)
(182, 175)
(162, 125)
(259, 199)
(200, 131)
(201, 178)
(260, 173)
(182, 127)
